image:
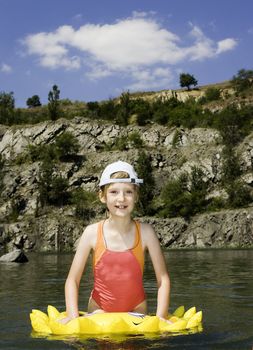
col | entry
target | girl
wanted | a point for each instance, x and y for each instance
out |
(118, 244)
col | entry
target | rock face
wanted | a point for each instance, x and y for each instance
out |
(172, 151)
(231, 229)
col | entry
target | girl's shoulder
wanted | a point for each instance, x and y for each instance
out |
(147, 233)
(146, 227)
(92, 228)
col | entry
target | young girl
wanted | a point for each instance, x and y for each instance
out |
(118, 244)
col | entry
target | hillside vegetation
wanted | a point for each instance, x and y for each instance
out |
(194, 149)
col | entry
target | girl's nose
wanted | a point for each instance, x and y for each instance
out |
(121, 196)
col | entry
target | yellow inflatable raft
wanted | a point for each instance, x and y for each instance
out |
(116, 322)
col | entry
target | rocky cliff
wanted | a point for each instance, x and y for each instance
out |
(59, 229)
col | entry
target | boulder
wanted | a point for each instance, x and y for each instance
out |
(16, 256)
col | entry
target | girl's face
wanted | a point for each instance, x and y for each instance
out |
(120, 198)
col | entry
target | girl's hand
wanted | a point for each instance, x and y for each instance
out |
(165, 320)
(64, 320)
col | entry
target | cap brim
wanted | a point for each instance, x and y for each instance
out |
(126, 180)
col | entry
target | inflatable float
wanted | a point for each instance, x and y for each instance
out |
(116, 322)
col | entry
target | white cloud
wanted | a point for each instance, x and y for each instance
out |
(226, 45)
(5, 68)
(204, 47)
(138, 46)
(52, 48)
(150, 78)
(98, 72)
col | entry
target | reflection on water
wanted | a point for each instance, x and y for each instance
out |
(217, 281)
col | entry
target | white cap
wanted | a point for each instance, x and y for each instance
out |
(116, 167)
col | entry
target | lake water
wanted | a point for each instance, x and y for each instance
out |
(219, 282)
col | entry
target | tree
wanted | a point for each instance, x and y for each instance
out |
(243, 80)
(53, 105)
(53, 189)
(186, 80)
(7, 100)
(146, 192)
(7, 105)
(33, 101)
(2, 161)
(66, 145)
(124, 108)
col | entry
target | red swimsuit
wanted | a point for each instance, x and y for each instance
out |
(118, 285)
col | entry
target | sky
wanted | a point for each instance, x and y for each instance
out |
(95, 50)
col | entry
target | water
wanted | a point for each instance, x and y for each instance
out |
(219, 282)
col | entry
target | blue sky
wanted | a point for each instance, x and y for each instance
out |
(96, 49)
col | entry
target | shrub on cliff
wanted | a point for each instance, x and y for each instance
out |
(66, 145)
(124, 142)
(108, 110)
(141, 110)
(84, 203)
(7, 105)
(53, 188)
(64, 148)
(33, 101)
(2, 161)
(243, 80)
(146, 192)
(239, 195)
(230, 167)
(53, 102)
(185, 196)
(234, 123)
(211, 94)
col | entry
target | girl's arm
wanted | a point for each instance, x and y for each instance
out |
(76, 270)
(153, 245)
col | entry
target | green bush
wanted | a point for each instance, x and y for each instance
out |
(84, 203)
(124, 109)
(53, 189)
(230, 167)
(42, 152)
(2, 162)
(121, 143)
(216, 204)
(185, 196)
(243, 80)
(146, 191)
(174, 196)
(239, 195)
(212, 94)
(33, 101)
(162, 110)
(141, 109)
(108, 110)
(176, 138)
(135, 140)
(58, 191)
(93, 109)
(233, 123)
(124, 142)
(66, 145)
